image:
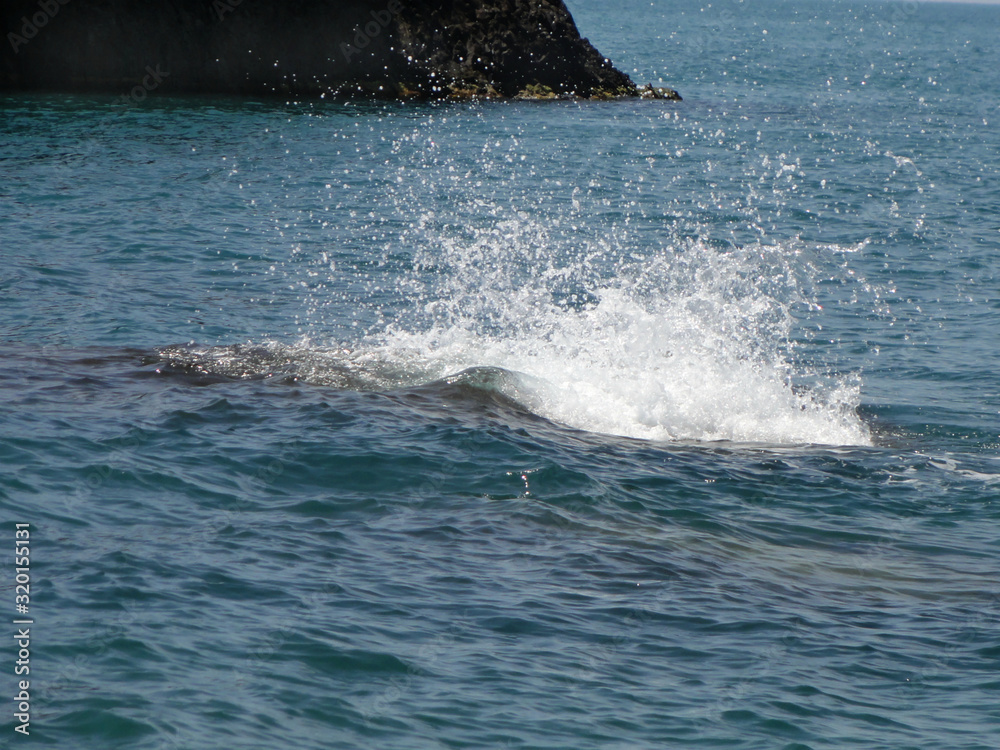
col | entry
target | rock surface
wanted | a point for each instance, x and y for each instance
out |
(382, 48)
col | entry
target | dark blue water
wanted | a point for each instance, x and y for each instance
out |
(526, 425)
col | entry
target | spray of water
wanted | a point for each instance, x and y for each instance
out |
(685, 341)
(604, 311)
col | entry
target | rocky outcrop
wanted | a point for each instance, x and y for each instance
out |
(381, 48)
(506, 47)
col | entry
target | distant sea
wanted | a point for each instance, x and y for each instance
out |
(575, 425)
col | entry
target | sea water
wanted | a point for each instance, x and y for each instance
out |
(573, 425)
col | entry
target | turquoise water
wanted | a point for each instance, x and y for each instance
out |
(527, 425)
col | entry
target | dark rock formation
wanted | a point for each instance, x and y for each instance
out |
(507, 46)
(650, 92)
(388, 48)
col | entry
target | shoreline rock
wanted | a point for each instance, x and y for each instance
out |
(660, 92)
(391, 49)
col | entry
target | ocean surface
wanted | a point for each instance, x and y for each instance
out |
(576, 425)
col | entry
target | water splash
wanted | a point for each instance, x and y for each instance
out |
(686, 341)
(622, 302)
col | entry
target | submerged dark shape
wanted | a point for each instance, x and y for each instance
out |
(381, 48)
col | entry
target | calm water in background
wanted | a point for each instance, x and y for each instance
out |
(556, 425)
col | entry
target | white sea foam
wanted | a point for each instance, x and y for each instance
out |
(684, 341)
